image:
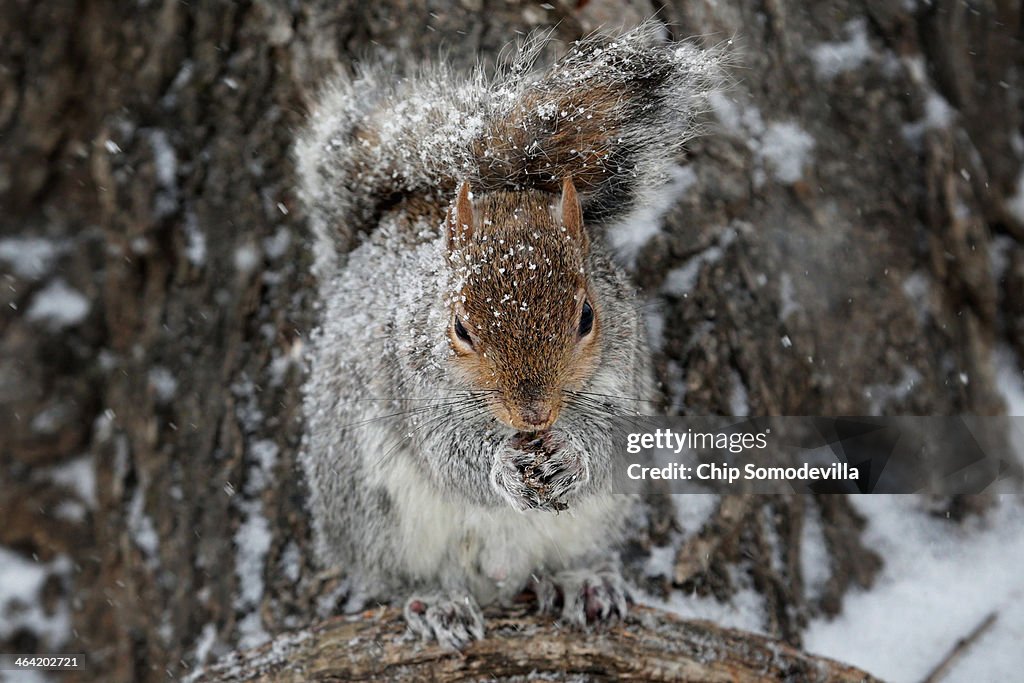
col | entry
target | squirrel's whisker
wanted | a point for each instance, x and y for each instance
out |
(411, 411)
(418, 428)
(591, 393)
(398, 399)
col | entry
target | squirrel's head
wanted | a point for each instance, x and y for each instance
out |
(525, 323)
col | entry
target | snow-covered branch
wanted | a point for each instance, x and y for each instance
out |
(650, 645)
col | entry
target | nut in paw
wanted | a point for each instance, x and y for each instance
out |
(537, 471)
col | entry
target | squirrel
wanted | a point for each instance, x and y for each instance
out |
(477, 338)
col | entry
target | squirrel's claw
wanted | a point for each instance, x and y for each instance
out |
(587, 598)
(453, 622)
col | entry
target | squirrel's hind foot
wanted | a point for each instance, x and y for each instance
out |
(583, 598)
(452, 621)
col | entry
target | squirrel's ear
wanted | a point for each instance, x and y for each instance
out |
(460, 218)
(572, 212)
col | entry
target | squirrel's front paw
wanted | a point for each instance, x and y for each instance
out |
(452, 622)
(536, 472)
(585, 597)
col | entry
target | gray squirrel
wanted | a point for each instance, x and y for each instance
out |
(477, 339)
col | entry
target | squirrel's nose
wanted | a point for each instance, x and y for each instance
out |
(536, 415)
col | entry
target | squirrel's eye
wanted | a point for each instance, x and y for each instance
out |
(586, 319)
(460, 330)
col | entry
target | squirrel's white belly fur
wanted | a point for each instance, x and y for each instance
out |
(498, 549)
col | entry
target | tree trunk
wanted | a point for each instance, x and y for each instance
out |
(844, 241)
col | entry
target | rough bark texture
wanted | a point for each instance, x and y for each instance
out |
(145, 439)
(649, 646)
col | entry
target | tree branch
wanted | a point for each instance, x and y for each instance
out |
(651, 645)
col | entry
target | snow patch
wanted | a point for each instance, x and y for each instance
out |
(781, 146)
(938, 114)
(815, 564)
(1015, 204)
(29, 257)
(661, 562)
(736, 118)
(163, 383)
(204, 643)
(251, 632)
(939, 581)
(291, 562)
(1010, 381)
(745, 610)
(58, 306)
(27, 676)
(21, 606)
(917, 287)
(164, 160)
(882, 396)
(739, 401)
(195, 241)
(52, 417)
(999, 251)
(263, 454)
(681, 280)
(832, 59)
(786, 147)
(231, 664)
(79, 475)
(252, 541)
(694, 509)
(285, 360)
(71, 511)
(165, 166)
(788, 305)
(246, 258)
(276, 246)
(141, 526)
(628, 236)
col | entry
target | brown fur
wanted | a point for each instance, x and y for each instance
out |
(579, 138)
(524, 322)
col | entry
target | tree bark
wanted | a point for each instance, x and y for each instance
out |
(849, 229)
(649, 646)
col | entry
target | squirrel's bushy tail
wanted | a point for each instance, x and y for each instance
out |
(612, 113)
